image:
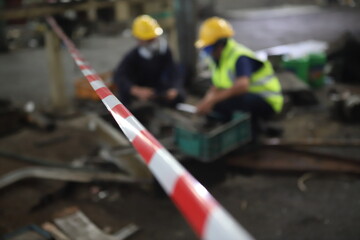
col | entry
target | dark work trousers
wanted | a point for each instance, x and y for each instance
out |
(248, 102)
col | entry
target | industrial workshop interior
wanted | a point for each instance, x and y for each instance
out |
(179, 119)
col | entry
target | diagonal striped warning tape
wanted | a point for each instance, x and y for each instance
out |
(206, 216)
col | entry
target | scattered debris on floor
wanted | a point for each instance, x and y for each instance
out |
(77, 226)
(70, 224)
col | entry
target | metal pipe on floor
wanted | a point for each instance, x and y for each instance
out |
(74, 175)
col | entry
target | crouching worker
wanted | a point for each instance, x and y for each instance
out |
(240, 81)
(148, 72)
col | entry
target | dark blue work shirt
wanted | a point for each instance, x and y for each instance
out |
(246, 66)
(158, 72)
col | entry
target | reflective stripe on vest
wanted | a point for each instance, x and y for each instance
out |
(263, 81)
(266, 94)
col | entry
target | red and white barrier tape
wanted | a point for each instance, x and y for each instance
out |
(206, 216)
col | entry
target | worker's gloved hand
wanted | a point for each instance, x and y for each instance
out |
(143, 93)
(171, 94)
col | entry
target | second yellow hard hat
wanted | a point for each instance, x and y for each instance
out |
(212, 30)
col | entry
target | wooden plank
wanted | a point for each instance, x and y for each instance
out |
(277, 160)
(312, 142)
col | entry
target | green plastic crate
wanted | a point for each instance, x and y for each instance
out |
(219, 141)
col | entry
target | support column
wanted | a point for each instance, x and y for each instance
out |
(152, 7)
(3, 43)
(58, 97)
(122, 11)
(185, 15)
(92, 11)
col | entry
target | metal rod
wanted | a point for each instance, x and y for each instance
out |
(63, 175)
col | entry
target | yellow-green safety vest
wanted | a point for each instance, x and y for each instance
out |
(262, 82)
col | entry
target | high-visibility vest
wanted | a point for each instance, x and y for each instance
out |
(262, 82)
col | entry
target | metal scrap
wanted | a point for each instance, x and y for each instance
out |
(301, 181)
(75, 175)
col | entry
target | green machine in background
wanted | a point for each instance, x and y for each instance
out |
(317, 63)
(299, 66)
(309, 68)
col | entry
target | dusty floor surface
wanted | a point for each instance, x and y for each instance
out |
(268, 205)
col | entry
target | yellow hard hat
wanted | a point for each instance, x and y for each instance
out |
(145, 28)
(213, 29)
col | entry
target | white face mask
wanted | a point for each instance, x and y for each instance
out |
(158, 46)
(154, 46)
